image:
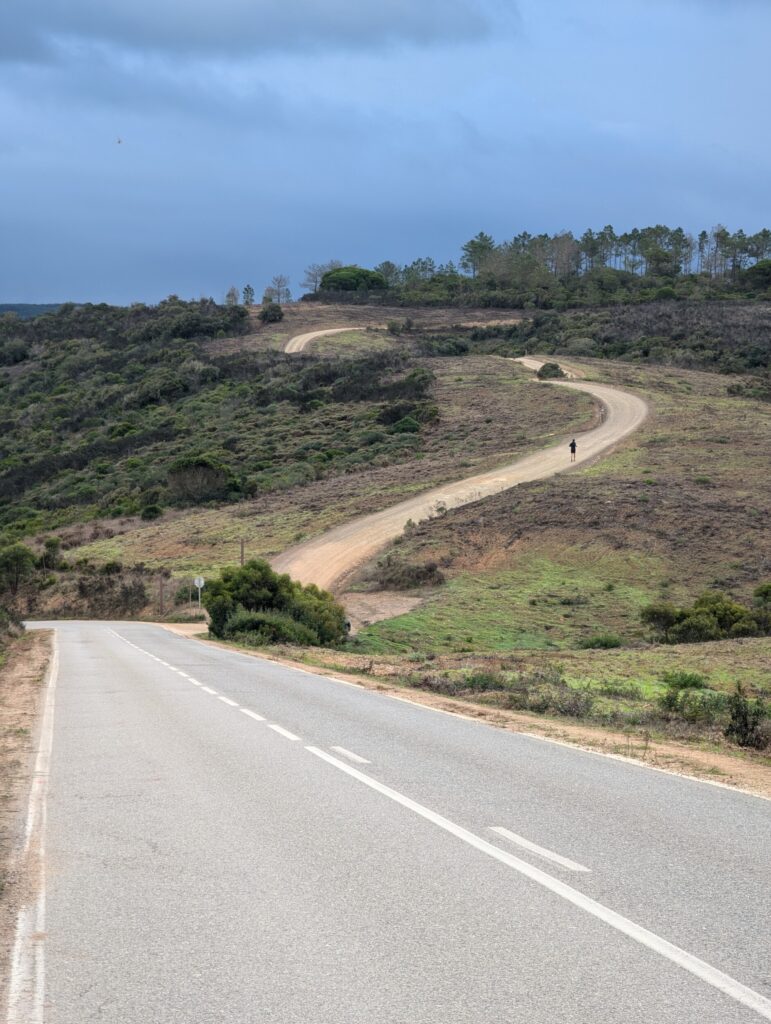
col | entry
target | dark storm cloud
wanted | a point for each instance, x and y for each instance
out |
(28, 28)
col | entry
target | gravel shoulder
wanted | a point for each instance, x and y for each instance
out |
(21, 688)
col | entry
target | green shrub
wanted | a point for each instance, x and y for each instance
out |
(268, 627)
(151, 512)
(713, 616)
(407, 425)
(601, 641)
(550, 371)
(271, 313)
(682, 680)
(746, 726)
(255, 587)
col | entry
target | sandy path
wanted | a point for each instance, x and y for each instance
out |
(326, 559)
(298, 343)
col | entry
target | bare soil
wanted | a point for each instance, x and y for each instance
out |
(21, 679)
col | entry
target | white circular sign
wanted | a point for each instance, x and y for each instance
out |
(199, 581)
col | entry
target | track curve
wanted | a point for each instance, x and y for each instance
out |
(324, 560)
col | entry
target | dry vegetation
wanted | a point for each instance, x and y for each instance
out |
(488, 414)
(681, 506)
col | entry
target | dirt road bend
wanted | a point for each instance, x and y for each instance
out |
(326, 559)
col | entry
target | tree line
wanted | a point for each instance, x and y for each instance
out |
(562, 269)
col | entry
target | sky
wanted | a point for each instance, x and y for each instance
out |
(258, 136)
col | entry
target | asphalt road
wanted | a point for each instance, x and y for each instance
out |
(230, 840)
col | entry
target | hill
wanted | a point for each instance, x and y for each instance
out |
(28, 310)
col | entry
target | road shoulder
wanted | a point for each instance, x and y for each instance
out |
(21, 690)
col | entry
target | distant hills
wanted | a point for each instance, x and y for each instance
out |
(26, 310)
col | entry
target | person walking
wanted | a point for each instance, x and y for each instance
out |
(572, 446)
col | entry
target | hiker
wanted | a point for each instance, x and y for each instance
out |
(572, 446)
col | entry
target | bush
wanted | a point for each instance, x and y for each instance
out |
(600, 641)
(268, 627)
(394, 574)
(151, 512)
(681, 680)
(255, 587)
(713, 616)
(746, 725)
(407, 425)
(550, 371)
(271, 313)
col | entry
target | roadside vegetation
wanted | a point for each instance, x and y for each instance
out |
(256, 606)
(569, 599)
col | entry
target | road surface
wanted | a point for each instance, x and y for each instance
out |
(230, 840)
(326, 559)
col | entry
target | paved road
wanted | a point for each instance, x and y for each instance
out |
(230, 840)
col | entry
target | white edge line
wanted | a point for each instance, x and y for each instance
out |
(351, 756)
(227, 700)
(208, 689)
(26, 986)
(541, 851)
(252, 714)
(283, 732)
(704, 971)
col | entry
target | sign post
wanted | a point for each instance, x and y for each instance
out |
(200, 583)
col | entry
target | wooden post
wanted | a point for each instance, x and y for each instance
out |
(242, 552)
(160, 594)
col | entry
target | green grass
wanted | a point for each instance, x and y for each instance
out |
(545, 602)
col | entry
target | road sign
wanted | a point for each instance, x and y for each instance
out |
(199, 582)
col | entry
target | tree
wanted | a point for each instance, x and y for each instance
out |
(475, 251)
(231, 296)
(17, 564)
(315, 271)
(248, 295)
(280, 285)
(390, 272)
(352, 279)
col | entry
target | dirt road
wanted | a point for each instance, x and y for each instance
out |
(327, 559)
(298, 343)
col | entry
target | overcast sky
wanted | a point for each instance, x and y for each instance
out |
(261, 135)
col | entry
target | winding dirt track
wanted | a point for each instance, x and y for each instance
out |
(324, 560)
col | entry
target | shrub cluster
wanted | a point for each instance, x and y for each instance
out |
(713, 616)
(541, 691)
(257, 605)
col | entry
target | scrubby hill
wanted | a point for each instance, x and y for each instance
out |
(683, 505)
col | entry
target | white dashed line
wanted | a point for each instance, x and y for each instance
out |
(283, 732)
(227, 700)
(351, 756)
(541, 851)
(252, 714)
(687, 961)
(208, 689)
